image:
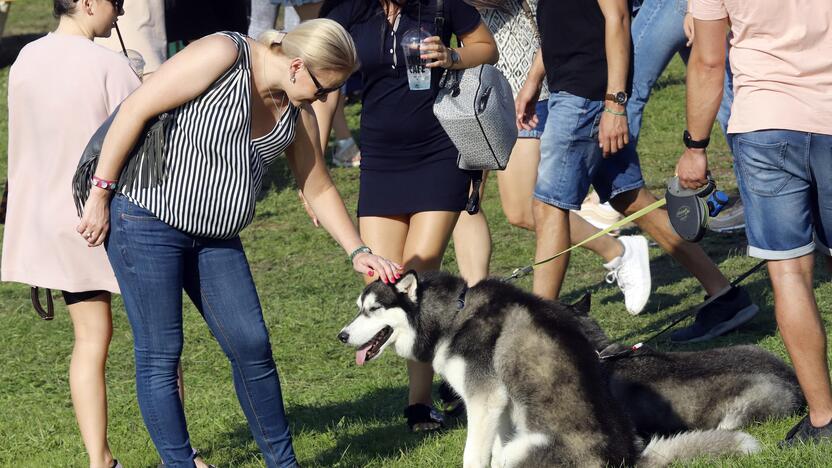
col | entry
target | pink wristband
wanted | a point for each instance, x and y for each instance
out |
(105, 184)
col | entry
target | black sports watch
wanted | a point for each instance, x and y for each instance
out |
(695, 144)
(620, 97)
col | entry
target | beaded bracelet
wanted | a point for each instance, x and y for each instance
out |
(358, 250)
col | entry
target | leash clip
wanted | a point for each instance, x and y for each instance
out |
(520, 272)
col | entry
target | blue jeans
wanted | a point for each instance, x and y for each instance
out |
(658, 34)
(154, 263)
(571, 160)
(784, 178)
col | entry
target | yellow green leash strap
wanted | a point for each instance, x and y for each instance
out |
(522, 271)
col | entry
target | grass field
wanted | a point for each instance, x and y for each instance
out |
(341, 415)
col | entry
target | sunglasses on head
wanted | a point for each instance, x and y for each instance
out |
(321, 91)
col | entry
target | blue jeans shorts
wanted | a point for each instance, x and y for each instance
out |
(542, 111)
(784, 177)
(570, 159)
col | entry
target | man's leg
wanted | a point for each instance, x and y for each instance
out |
(802, 331)
(551, 225)
(569, 155)
(658, 34)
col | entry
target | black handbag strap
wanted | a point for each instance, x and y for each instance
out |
(49, 312)
(439, 20)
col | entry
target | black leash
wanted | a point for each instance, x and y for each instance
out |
(684, 315)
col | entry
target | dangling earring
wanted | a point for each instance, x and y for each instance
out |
(292, 79)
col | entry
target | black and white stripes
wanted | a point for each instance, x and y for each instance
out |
(213, 169)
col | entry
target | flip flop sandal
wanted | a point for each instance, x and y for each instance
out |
(423, 418)
(452, 404)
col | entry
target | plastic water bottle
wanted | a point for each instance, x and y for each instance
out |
(418, 74)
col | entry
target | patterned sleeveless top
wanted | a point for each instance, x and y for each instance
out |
(213, 168)
(514, 33)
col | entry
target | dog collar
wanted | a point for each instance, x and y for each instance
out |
(460, 301)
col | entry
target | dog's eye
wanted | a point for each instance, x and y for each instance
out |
(374, 308)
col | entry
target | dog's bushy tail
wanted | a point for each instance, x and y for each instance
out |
(661, 451)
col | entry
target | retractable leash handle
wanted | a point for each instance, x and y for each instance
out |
(689, 209)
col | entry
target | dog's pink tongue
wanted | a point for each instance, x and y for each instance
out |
(361, 356)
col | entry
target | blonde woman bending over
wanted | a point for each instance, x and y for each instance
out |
(234, 106)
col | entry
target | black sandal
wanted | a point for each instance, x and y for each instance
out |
(452, 404)
(423, 418)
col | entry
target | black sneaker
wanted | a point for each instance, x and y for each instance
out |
(805, 433)
(720, 316)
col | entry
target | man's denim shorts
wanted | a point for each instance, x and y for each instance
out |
(542, 111)
(571, 160)
(784, 178)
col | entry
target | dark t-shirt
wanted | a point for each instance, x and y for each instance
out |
(574, 53)
(398, 128)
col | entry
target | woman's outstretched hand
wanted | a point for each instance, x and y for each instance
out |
(372, 265)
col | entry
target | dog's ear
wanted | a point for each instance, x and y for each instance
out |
(582, 306)
(408, 284)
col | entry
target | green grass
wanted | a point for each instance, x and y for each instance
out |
(341, 415)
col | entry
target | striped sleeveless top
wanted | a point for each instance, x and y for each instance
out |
(213, 169)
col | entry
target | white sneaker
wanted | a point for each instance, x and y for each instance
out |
(632, 273)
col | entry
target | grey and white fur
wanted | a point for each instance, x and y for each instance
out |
(534, 391)
(669, 392)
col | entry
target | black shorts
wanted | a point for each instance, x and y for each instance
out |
(76, 297)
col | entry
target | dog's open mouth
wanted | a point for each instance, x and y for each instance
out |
(370, 349)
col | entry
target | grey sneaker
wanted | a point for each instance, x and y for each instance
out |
(731, 219)
(805, 433)
(720, 316)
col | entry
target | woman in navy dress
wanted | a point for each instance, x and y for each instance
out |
(411, 191)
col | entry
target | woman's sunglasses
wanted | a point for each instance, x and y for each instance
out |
(321, 91)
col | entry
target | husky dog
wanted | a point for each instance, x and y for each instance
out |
(666, 393)
(531, 381)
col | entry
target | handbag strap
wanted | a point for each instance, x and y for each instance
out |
(439, 20)
(47, 314)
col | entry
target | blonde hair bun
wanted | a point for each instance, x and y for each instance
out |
(321, 43)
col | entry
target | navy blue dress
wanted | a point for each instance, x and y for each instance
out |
(408, 163)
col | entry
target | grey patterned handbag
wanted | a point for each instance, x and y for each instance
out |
(476, 108)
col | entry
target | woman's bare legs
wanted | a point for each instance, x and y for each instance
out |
(93, 327)
(472, 243)
(417, 242)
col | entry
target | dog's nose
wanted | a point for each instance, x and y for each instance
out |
(344, 337)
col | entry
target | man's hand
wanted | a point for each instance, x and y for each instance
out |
(613, 133)
(525, 106)
(692, 168)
